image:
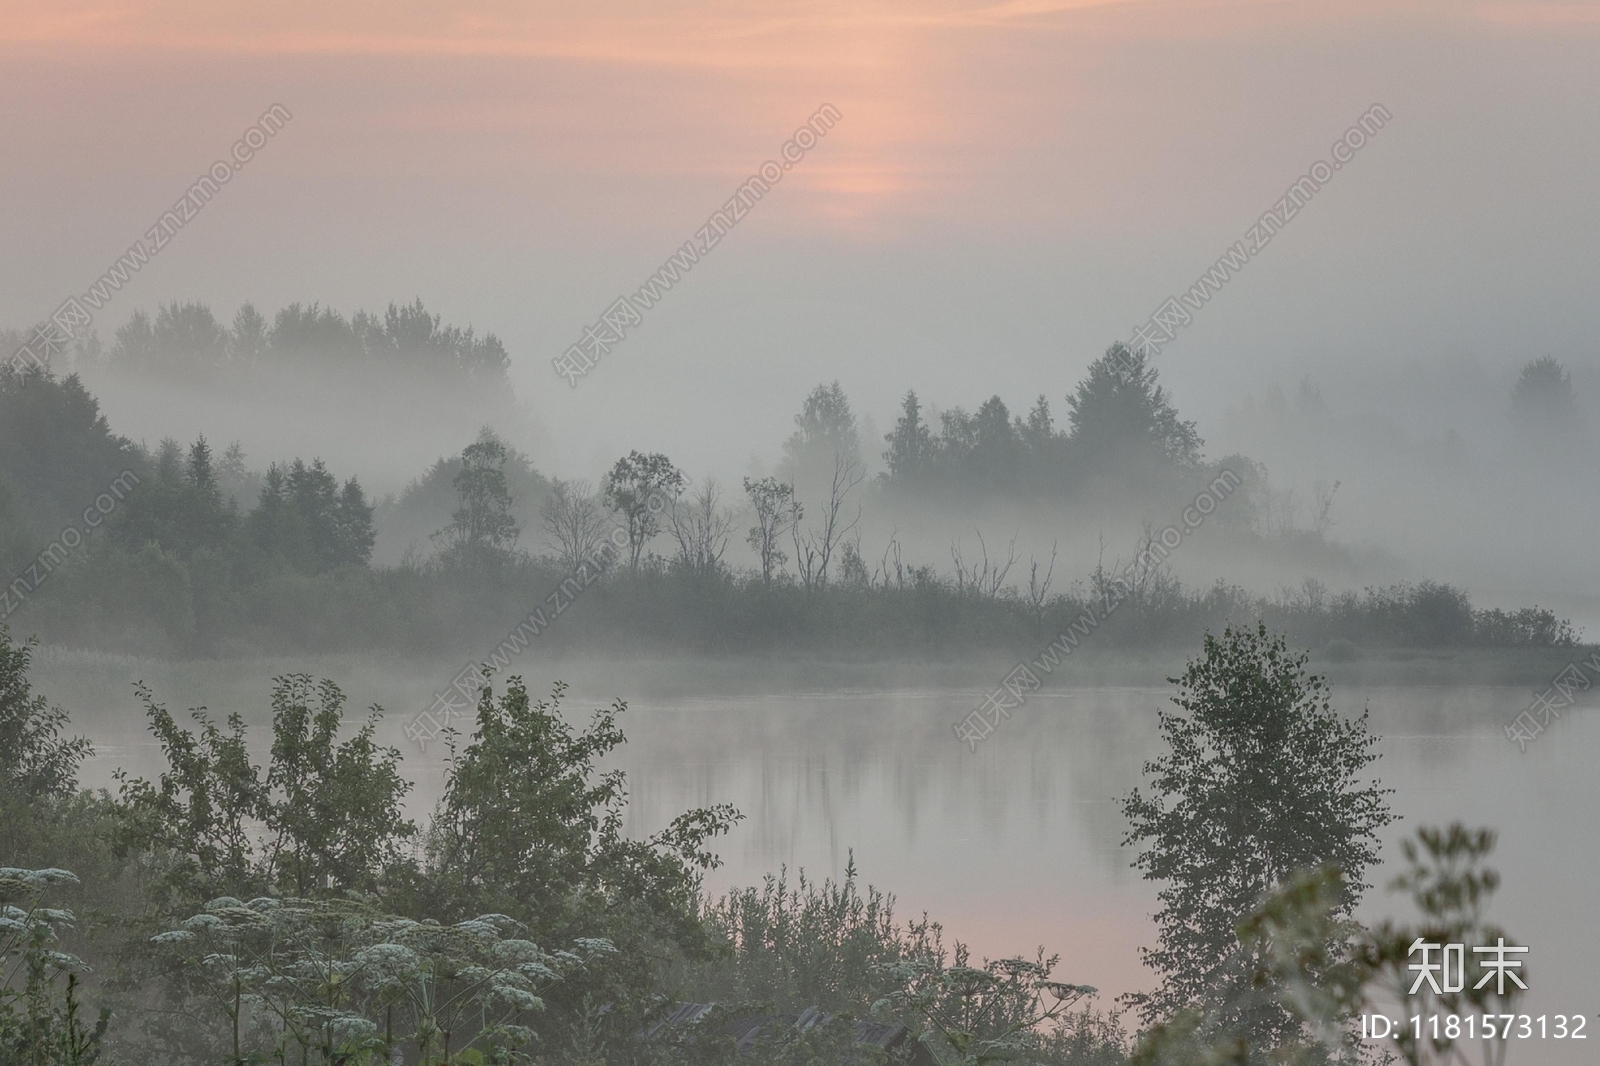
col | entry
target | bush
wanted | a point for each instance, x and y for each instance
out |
(828, 947)
(37, 763)
(39, 1011)
(324, 819)
(809, 945)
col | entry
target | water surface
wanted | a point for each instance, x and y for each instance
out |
(1019, 843)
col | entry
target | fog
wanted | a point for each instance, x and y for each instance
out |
(1014, 845)
(991, 211)
(797, 374)
(1434, 478)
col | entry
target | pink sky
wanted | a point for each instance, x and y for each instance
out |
(1013, 186)
(1074, 110)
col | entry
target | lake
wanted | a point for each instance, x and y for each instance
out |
(1012, 846)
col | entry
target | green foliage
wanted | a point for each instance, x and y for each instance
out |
(1308, 961)
(985, 452)
(809, 945)
(333, 959)
(143, 600)
(44, 819)
(991, 1013)
(910, 455)
(1178, 1042)
(40, 1023)
(248, 339)
(1084, 1037)
(529, 825)
(304, 518)
(186, 573)
(198, 815)
(409, 335)
(1120, 423)
(1451, 888)
(183, 337)
(331, 810)
(56, 449)
(339, 982)
(641, 487)
(180, 507)
(347, 950)
(1120, 415)
(153, 602)
(302, 333)
(19, 543)
(832, 948)
(334, 814)
(1525, 627)
(825, 429)
(1327, 969)
(430, 501)
(523, 803)
(38, 763)
(777, 512)
(1425, 614)
(482, 532)
(985, 448)
(1262, 778)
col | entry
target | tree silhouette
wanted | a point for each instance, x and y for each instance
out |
(911, 446)
(1261, 779)
(642, 488)
(1120, 416)
(1544, 410)
(482, 533)
(824, 428)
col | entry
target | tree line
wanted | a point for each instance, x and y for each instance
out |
(227, 911)
(207, 554)
(187, 340)
(1120, 423)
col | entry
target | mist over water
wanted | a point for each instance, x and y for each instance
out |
(1013, 846)
(1419, 470)
(941, 360)
(806, 639)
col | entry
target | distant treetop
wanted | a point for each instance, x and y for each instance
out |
(1544, 409)
(1118, 410)
(1120, 424)
(187, 338)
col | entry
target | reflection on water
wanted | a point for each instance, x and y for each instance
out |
(1017, 844)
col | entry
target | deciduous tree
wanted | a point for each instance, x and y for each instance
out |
(482, 533)
(1261, 778)
(777, 512)
(641, 488)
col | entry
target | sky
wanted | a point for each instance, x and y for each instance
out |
(1010, 188)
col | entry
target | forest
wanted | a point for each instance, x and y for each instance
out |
(185, 340)
(185, 550)
(834, 534)
(269, 895)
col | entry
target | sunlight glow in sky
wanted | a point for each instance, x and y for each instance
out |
(1014, 185)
